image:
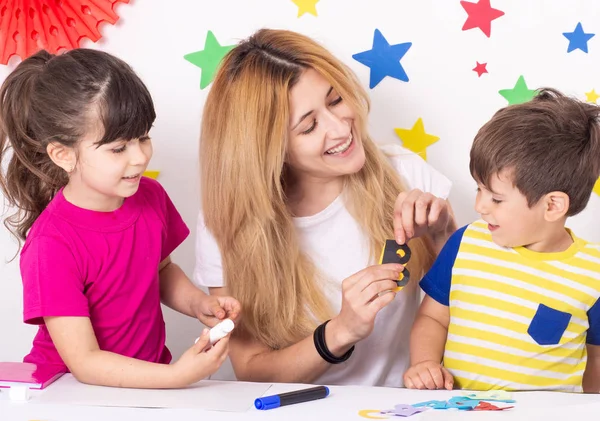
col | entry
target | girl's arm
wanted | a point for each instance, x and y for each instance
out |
(178, 292)
(76, 344)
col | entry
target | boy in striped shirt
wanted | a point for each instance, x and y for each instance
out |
(512, 302)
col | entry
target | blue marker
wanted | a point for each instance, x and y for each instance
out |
(290, 398)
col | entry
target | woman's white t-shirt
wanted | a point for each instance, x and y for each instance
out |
(339, 248)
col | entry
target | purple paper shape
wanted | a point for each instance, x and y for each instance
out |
(403, 410)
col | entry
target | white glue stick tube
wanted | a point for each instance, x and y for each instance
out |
(219, 331)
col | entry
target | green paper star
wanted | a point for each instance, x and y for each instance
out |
(208, 59)
(519, 94)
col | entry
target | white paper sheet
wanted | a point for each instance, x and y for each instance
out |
(208, 395)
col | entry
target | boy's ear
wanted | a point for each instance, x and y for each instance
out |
(62, 155)
(556, 205)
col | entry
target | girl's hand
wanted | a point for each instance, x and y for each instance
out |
(211, 309)
(196, 364)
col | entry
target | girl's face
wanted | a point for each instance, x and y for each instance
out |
(323, 141)
(105, 175)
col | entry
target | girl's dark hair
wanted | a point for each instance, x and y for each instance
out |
(50, 98)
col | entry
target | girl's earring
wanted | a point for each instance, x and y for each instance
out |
(71, 169)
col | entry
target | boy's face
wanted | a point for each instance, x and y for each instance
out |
(510, 219)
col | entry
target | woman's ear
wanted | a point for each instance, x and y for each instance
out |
(63, 156)
(557, 206)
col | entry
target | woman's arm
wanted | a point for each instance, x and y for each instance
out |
(253, 361)
(364, 294)
(299, 363)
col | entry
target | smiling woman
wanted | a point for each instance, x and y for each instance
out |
(297, 201)
(322, 140)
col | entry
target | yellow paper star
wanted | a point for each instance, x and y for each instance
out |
(597, 187)
(306, 6)
(592, 96)
(416, 139)
(151, 174)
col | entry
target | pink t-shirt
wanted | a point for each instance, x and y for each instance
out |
(102, 265)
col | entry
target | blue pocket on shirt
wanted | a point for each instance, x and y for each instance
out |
(548, 325)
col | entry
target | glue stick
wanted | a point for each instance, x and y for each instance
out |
(219, 331)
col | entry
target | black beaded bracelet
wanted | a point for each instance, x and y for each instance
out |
(321, 346)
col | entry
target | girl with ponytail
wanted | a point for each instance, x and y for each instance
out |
(96, 236)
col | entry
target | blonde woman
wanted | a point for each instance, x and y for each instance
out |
(297, 201)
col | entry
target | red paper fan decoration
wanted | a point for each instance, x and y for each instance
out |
(26, 26)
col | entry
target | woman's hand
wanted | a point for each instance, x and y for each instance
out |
(363, 295)
(417, 213)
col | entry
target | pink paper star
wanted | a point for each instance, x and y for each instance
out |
(480, 68)
(481, 15)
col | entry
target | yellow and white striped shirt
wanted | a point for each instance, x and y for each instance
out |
(519, 320)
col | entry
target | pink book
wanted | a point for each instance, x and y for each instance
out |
(31, 375)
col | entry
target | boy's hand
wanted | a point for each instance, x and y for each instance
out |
(428, 375)
(196, 364)
(211, 309)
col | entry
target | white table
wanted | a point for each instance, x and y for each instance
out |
(343, 404)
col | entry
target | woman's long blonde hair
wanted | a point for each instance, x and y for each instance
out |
(242, 156)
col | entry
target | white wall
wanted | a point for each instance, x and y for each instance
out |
(154, 35)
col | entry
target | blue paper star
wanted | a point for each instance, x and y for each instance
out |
(383, 59)
(578, 39)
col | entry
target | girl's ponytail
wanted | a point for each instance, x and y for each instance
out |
(31, 178)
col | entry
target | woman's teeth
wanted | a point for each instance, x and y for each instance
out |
(342, 148)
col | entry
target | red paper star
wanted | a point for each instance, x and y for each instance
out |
(481, 16)
(480, 68)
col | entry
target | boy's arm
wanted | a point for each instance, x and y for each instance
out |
(429, 332)
(427, 341)
(591, 376)
(178, 293)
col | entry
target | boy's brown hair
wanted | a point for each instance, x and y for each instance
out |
(551, 143)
